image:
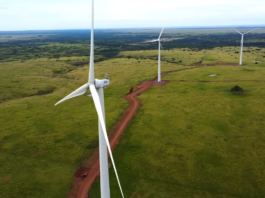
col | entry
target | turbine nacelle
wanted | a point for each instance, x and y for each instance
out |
(101, 83)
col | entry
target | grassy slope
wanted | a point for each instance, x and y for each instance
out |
(224, 73)
(41, 145)
(207, 143)
(188, 57)
(200, 140)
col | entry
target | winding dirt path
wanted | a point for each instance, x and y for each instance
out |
(86, 175)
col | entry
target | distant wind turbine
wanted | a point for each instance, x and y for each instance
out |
(159, 47)
(98, 98)
(242, 42)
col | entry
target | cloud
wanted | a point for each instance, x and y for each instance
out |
(3, 8)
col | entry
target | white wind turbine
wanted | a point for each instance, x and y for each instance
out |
(159, 47)
(242, 42)
(98, 98)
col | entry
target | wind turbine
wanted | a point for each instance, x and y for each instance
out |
(159, 47)
(242, 41)
(98, 98)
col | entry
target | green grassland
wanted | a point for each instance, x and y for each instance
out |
(195, 139)
(224, 73)
(41, 146)
(187, 139)
(192, 57)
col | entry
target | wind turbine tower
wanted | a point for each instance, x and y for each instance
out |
(98, 98)
(159, 54)
(242, 42)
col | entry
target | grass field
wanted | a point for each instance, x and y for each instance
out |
(200, 140)
(189, 57)
(41, 146)
(224, 73)
(195, 139)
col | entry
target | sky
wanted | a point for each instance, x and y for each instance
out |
(76, 14)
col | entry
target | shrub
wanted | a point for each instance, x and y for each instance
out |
(236, 89)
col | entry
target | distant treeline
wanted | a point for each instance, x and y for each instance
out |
(67, 43)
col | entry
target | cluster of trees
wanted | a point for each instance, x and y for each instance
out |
(109, 43)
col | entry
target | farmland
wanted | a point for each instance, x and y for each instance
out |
(188, 139)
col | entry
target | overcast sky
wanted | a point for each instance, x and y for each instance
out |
(76, 14)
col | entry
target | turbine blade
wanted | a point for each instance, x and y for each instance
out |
(151, 41)
(103, 126)
(91, 77)
(237, 31)
(80, 91)
(251, 30)
(161, 33)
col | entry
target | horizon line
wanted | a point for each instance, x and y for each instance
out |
(119, 28)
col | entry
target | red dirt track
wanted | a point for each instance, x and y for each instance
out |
(85, 176)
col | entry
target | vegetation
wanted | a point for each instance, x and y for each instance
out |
(224, 73)
(193, 57)
(195, 140)
(41, 146)
(55, 44)
(236, 89)
(200, 140)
